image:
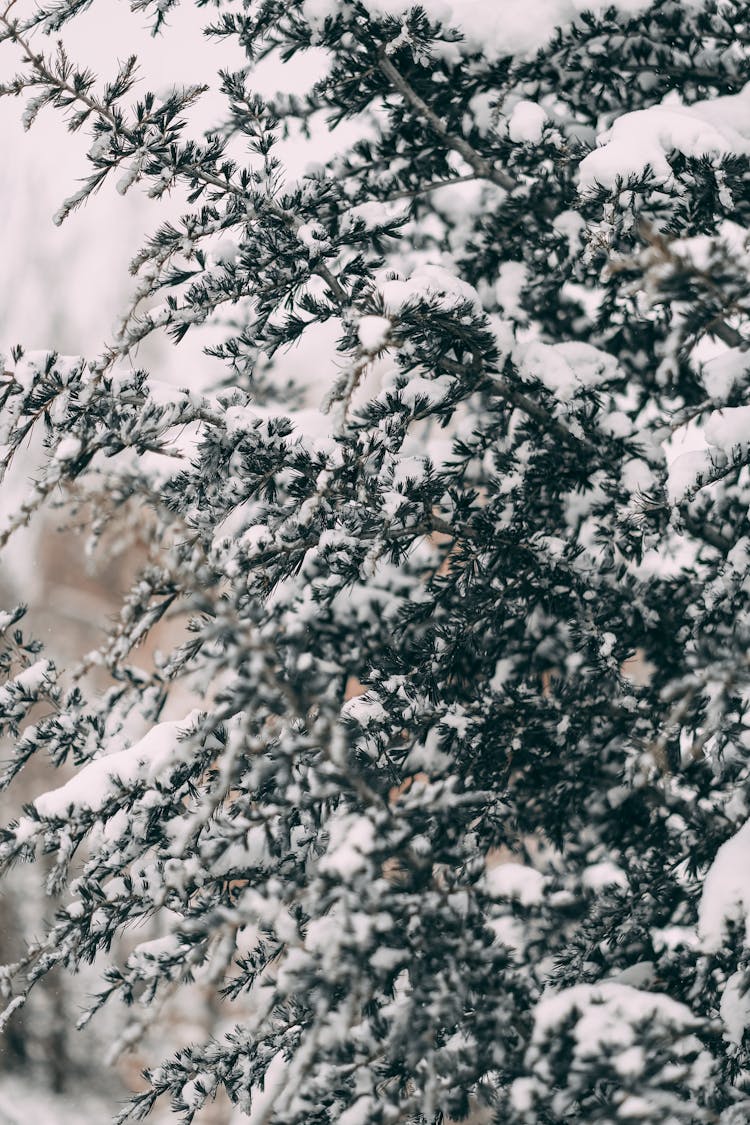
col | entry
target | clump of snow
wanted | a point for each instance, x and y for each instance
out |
(351, 839)
(311, 426)
(68, 449)
(646, 137)
(726, 892)
(522, 1094)
(161, 748)
(567, 368)
(729, 429)
(724, 433)
(167, 946)
(6, 619)
(256, 539)
(607, 1014)
(606, 1010)
(225, 252)
(674, 937)
(601, 875)
(312, 235)
(434, 390)
(571, 225)
(684, 471)
(515, 881)
(364, 709)
(734, 1007)
(483, 111)
(526, 122)
(617, 424)
(638, 476)
(428, 282)
(28, 368)
(26, 683)
(427, 755)
(25, 830)
(722, 372)
(251, 852)
(410, 468)
(511, 278)
(373, 332)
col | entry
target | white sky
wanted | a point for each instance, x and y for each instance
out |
(63, 287)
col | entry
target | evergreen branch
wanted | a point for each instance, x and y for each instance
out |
(727, 334)
(483, 168)
(525, 403)
(410, 632)
(704, 531)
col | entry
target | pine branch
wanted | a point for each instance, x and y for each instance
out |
(483, 168)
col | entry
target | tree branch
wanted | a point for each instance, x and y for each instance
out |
(483, 168)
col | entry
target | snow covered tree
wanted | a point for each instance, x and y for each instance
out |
(456, 821)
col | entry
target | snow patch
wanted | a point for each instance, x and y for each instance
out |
(566, 369)
(726, 892)
(729, 429)
(511, 279)
(734, 1008)
(26, 683)
(428, 283)
(364, 710)
(646, 137)
(607, 1013)
(515, 881)
(351, 839)
(684, 471)
(68, 449)
(602, 875)
(373, 332)
(526, 123)
(161, 748)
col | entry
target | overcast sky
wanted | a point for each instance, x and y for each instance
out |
(63, 287)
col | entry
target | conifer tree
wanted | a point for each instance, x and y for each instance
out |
(458, 823)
